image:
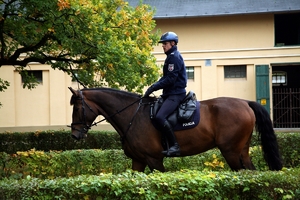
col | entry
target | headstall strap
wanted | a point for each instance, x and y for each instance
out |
(83, 121)
(83, 108)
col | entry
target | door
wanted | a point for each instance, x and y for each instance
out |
(262, 86)
(286, 95)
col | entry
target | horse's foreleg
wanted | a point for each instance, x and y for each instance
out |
(151, 162)
(138, 166)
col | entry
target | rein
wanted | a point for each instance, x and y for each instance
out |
(119, 111)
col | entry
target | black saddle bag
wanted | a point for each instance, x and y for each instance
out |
(185, 111)
(187, 108)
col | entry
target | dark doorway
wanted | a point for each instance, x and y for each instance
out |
(286, 96)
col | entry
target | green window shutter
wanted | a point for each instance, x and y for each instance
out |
(262, 86)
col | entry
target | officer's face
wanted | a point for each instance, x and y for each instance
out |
(166, 46)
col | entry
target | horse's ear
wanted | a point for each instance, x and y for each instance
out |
(73, 91)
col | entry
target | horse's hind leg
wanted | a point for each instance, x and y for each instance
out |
(233, 160)
(233, 155)
(246, 158)
(239, 159)
(237, 156)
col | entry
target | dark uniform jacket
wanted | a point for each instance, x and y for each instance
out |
(174, 77)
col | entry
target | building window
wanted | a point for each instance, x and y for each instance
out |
(235, 71)
(190, 73)
(287, 29)
(279, 78)
(36, 74)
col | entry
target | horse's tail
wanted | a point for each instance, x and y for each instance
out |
(264, 127)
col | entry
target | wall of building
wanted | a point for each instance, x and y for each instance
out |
(209, 43)
(47, 104)
(206, 43)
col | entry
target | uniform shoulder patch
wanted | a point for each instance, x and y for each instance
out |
(171, 67)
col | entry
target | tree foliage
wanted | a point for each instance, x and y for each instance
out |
(106, 42)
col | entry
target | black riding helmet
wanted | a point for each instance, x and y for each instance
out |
(168, 36)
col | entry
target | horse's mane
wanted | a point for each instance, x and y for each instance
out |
(122, 92)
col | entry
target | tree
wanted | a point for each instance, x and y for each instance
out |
(105, 42)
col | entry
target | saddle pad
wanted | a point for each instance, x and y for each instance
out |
(187, 125)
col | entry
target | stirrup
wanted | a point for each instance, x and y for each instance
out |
(172, 153)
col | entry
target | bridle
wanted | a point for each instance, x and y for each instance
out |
(86, 127)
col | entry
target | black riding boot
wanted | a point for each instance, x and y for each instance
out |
(173, 150)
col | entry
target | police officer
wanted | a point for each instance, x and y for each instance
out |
(173, 83)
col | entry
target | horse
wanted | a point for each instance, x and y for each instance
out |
(226, 123)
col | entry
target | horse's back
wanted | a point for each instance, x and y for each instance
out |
(227, 112)
(225, 101)
(229, 118)
(226, 105)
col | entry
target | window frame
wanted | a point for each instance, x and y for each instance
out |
(287, 29)
(190, 72)
(282, 74)
(235, 71)
(38, 74)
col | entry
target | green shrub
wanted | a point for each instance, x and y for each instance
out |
(184, 184)
(212, 160)
(61, 140)
(54, 164)
(12, 142)
(57, 140)
(289, 144)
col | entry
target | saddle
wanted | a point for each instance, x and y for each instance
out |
(184, 116)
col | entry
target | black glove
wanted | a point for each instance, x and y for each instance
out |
(149, 91)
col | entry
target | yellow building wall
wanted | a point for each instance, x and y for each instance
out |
(45, 105)
(207, 44)
(32, 107)
(7, 98)
(226, 32)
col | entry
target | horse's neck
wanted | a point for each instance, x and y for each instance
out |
(112, 102)
(118, 108)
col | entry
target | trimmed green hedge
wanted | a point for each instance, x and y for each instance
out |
(61, 140)
(103, 174)
(11, 142)
(289, 145)
(49, 165)
(184, 184)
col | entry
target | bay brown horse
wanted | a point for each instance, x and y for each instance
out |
(226, 123)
